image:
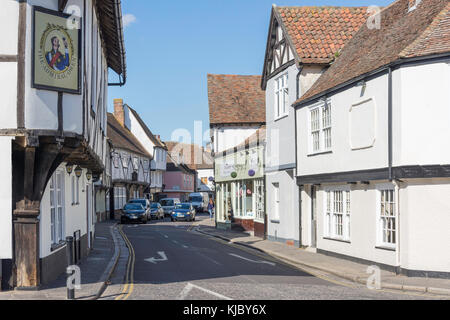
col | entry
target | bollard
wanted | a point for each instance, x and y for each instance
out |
(69, 248)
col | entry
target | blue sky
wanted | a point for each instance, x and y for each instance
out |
(172, 45)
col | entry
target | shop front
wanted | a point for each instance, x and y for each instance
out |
(240, 190)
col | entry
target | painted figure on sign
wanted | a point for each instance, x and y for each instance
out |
(55, 59)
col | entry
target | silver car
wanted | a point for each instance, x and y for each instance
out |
(168, 204)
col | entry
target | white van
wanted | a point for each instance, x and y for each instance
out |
(199, 201)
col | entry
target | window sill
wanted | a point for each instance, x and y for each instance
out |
(387, 248)
(281, 117)
(319, 153)
(275, 221)
(337, 239)
(57, 246)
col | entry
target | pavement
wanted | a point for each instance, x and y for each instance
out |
(315, 262)
(96, 270)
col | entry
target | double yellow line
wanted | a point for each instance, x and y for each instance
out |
(129, 279)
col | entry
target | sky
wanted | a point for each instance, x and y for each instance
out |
(171, 46)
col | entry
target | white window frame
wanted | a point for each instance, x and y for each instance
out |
(57, 205)
(276, 201)
(320, 132)
(281, 96)
(335, 214)
(259, 199)
(382, 218)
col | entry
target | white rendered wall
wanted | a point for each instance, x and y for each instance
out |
(363, 227)
(5, 198)
(343, 158)
(8, 85)
(9, 23)
(229, 137)
(423, 122)
(75, 215)
(425, 225)
(286, 227)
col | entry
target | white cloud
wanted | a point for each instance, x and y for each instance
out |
(128, 19)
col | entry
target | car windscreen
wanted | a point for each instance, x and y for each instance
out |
(166, 203)
(154, 206)
(195, 199)
(133, 206)
(183, 206)
(142, 202)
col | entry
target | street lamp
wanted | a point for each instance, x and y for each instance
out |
(78, 171)
(89, 175)
(69, 168)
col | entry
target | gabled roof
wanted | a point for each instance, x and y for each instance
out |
(155, 140)
(315, 34)
(403, 34)
(122, 138)
(318, 33)
(236, 99)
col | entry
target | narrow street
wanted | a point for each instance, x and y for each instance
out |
(173, 261)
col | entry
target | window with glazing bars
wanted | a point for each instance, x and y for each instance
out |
(387, 217)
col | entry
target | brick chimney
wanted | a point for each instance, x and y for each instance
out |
(119, 113)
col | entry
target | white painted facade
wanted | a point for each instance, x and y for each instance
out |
(78, 215)
(359, 126)
(5, 199)
(204, 175)
(159, 154)
(226, 137)
(282, 198)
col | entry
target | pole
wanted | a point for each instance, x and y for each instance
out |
(69, 248)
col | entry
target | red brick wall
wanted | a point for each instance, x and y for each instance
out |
(247, 224)
(259, 229)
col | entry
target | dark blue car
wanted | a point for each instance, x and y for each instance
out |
(134, 213)
(183, 211)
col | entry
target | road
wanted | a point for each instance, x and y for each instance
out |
(170, 260)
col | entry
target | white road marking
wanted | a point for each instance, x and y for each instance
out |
(175, 241)
(155, 260)
(183, 295)
(167, 237)
(186, 247)
(249, 260)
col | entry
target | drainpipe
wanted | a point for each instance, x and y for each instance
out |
(300, 68)
(397, 227)
(390, 123)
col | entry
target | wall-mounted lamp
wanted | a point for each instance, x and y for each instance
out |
(69, 168)
(78, 171)
(363, 86)
(89, 175)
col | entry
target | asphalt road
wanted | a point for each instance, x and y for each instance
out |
(170, 260)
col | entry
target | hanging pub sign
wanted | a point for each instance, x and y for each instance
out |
(56, 51)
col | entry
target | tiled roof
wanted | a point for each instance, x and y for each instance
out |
(422, 31)
(235, 99)
(147, 131)
(122, 138)
(318, 33)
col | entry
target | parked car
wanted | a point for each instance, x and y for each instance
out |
(199, 201)
(145, 203)
(134, 212)
(156, 211)
(168, 204)
(183, 211)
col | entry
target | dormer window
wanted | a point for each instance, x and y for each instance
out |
(413, 5)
